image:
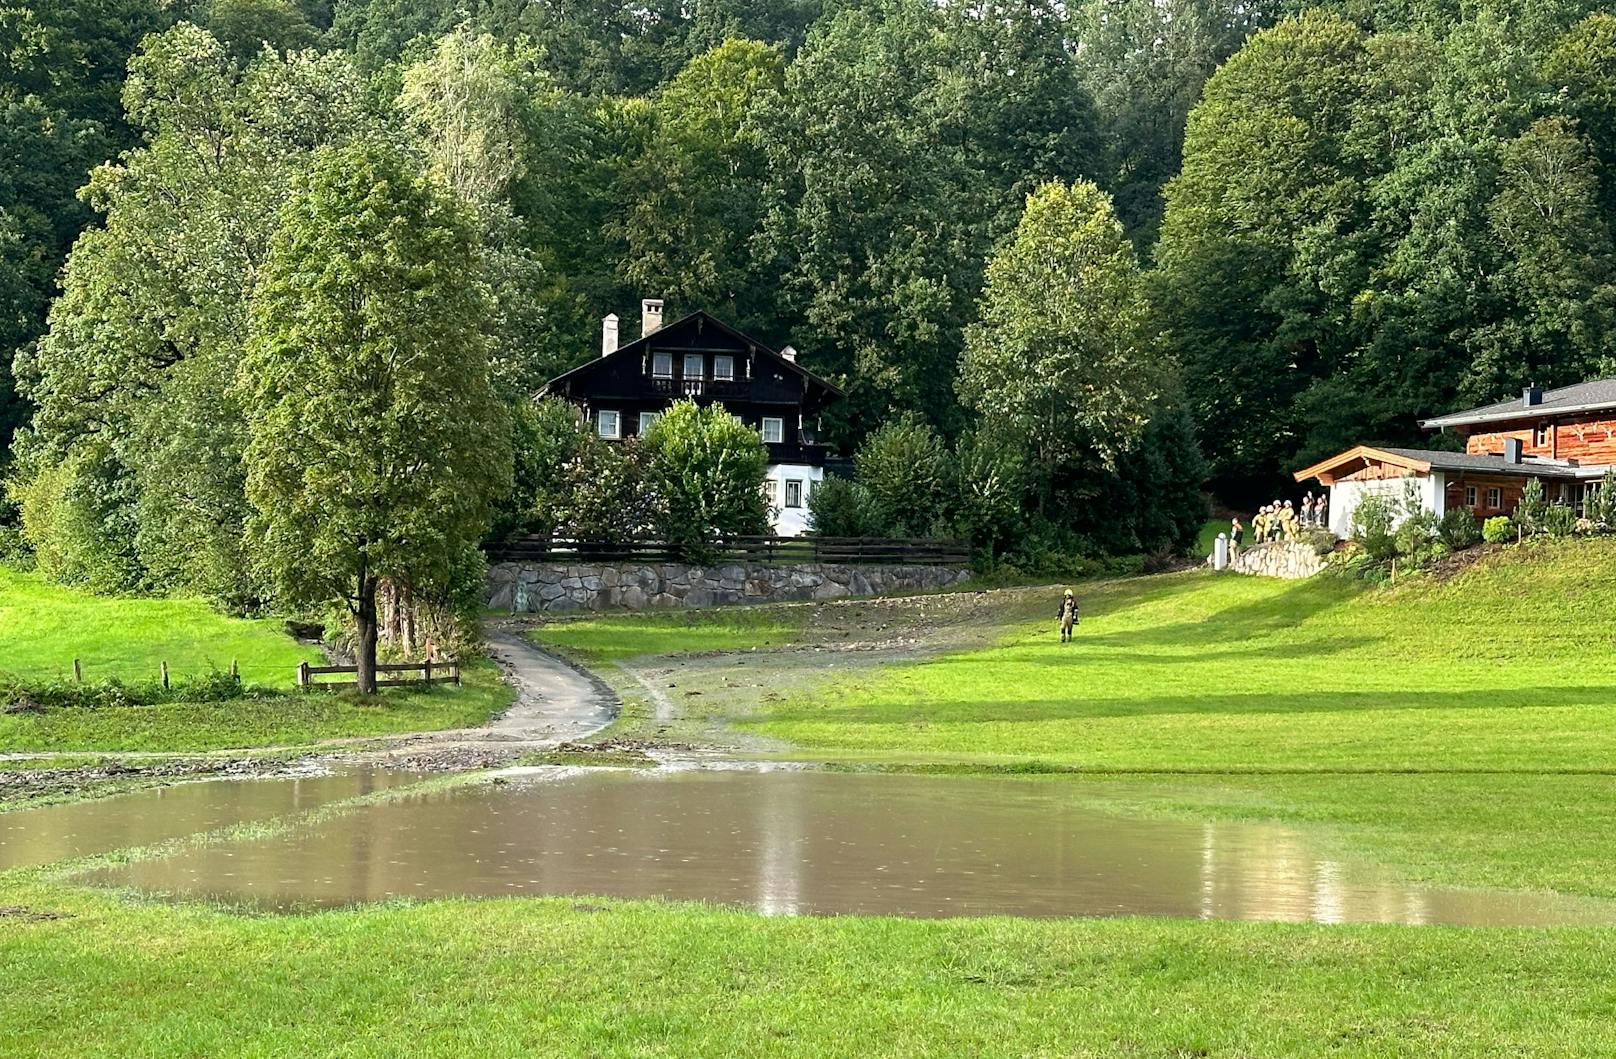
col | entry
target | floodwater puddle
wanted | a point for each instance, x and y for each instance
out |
(53, 833)
(804, 842)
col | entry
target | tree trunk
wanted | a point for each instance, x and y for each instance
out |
(365, 625)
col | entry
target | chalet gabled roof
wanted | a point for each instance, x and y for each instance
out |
(1424, 461)
(636, 349)
(1595, 396)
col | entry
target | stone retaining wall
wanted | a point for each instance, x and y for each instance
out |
(1285, 559)
(535, 587)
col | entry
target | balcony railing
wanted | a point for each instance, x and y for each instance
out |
(697, 387)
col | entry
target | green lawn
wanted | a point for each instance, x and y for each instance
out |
(606, 979)
(43, 627)
(679, 632)
(282, 719)
(1509, 666)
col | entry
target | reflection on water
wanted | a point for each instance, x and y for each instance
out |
(807, 842)
(80, 829)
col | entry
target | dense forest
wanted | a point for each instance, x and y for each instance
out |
(1109, 254)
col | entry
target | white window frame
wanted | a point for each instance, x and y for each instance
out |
(1542, 435)
(779, 430)
(616, 420)
(723, 368)
(1470, 496)
(771, 493)
(659, 359)
(800, 495)
(1495, 498)
(647, 421)
(687, 360)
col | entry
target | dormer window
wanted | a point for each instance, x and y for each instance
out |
(662, 365)
(724, 369)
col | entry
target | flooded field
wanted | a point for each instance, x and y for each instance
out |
(80, 829)
(782, 842)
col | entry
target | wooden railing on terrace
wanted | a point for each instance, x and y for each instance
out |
(867, 551)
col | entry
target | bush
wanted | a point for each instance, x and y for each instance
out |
(1602, 504)
(1559, 521)
(1533, 509)
(1498, 530)
(18, 696)
(1372, 522)
(1459, 529)
(706, 468)
(546, 435)
(839, 507)
(603, 495)
(1416, 538)
(904, 466)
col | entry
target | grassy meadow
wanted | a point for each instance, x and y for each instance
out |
(43, 627)
(1455, 732)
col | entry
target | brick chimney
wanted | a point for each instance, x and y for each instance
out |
(650, 315)
(608, 335)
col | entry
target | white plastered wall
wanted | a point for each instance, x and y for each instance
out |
(791, 521)
(1431, 489)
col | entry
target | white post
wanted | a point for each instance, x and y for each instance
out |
(1220, 552)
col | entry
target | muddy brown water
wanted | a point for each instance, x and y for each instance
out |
(790, 842)
(79, 829)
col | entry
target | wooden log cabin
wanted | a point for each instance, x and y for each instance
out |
(1565, 438)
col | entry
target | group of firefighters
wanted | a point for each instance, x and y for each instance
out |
(1280, 521)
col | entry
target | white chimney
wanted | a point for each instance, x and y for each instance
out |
(650, 315)
(790, 353)
(608, 335)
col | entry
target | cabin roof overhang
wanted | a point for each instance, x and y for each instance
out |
(1421, 462)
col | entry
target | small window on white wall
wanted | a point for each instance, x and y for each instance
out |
(647, 421)
(774, 430)
(608, 424)
(793, 493)
(771, 492)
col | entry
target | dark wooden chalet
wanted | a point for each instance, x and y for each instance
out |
(623, 391)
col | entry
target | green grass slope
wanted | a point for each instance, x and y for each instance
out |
(43, 627)
(1506, 666)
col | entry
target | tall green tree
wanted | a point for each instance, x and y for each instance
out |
(906, 135)
(376, 447)
(1063, 364)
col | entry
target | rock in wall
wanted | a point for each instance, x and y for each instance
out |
(535, 587)
(1285, 559)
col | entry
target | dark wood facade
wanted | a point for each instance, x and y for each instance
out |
(703, 359)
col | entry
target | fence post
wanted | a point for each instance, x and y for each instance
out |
(427, 667)
(454, 670)
(165, 674)
(302, 674)
(78, 673)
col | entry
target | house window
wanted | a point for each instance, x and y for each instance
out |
(724, 368)
(692, 365)
(1540, 437)
(608, 424)
(662, 365)
(1495, 499)
(647, 421)
(771, 492)
(774, 430)
(1470, 496)
(793, 492)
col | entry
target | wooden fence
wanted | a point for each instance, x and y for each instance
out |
(430, 673)
(886, 551)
